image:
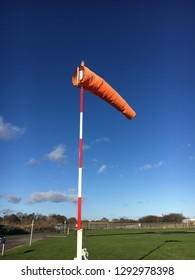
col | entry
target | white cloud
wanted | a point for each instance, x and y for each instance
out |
(191, 158)
(145, 167)
(102, 139)
(149, 166)
(102, 169)
(189, 146)
(9, 131)
(94, 161)
(158, 164)
(58, 154)
(32, 162)
(11, 198)
(86, 147)
(186, 146)
(51, 196)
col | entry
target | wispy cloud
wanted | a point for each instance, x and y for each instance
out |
(11, 198)
(58, 154)
(96, 141)
(189, 146)
(191, 158)
(140, 202)
(186, 146)
(9, 131)
(149, 166)
(102, 169)
(86, 147)
(51, 196)
(159, 164)
(33, 162)
(145, 167)
(94, 161)
(102, 139)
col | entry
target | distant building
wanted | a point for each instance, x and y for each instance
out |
(188, 221)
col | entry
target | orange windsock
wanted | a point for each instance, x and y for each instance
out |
(96, 85)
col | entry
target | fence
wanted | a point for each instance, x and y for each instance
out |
(6, 229)
(110, 225)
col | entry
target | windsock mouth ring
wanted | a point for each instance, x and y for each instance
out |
(78, 76)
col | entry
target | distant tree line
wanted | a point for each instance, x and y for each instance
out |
(43, 222)
(169, 218)
(21, 222)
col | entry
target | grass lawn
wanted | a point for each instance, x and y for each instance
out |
(111, 245)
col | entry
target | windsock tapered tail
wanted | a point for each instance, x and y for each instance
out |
(98, 86)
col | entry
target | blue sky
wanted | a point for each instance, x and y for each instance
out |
(145, 51)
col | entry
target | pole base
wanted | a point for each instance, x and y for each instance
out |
(84, 255)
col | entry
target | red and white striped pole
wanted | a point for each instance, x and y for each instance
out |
(79, 225)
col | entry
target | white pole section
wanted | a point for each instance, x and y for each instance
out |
(31, 233)
(3, 249)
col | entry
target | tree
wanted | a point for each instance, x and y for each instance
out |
(173, 218)
(123, 220)
(104, 220)
(11, 219)
(72, 220)
(20, 215)
(149, 219)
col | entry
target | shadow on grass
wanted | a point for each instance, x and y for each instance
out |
(124, 233)
(138, 233)
(158, 247)
(28, 251)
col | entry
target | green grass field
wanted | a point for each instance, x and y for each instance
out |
(111, 245)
